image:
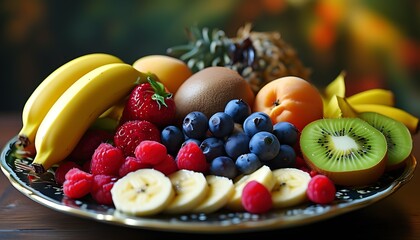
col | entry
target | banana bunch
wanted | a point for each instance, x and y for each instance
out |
(147, 192)
(69, 101)
(336, 104)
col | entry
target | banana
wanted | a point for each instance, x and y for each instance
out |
(143, 192)
(290, 188)
(51, 88)
(191, 188)
(346, 110)
(220, 191)
(78, 107)
(411, 121)
(263, 175)
(373, 96)
(115, 111)
(335, 88)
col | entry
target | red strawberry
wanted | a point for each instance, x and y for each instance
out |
(129, 135)
(150, 101)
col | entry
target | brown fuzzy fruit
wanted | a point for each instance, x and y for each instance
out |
(209, 90)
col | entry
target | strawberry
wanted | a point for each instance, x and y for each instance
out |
(129, 135)
(151, 102)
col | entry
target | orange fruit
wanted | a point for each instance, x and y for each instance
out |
(171, 71)
(290, 99)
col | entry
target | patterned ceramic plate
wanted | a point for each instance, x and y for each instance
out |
(42, 189)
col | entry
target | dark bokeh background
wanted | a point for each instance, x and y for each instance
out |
(376, 42)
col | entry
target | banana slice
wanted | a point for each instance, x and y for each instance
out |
(263, 175)
(290, 187)
(191, 188)
(143, 192)
(220, 191)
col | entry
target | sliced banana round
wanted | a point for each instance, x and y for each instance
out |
(220, 191)
(190, 187)
(263, 175)
(142, 193)
(290, 187)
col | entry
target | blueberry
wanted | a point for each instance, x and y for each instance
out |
(286, 133)
(238, 109)
(172, 137)
(284, 159)
(223, 166)
(265, 145)
(212, 147)
(247, 163)
(257, 122)
(221, 124)
(237, 144)
(195, 125)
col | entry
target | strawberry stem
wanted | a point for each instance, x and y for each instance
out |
(160, 92)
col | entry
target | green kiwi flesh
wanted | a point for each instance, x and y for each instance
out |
(348, 150)
(397, 135)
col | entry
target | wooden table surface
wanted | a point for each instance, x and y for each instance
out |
(395, 217)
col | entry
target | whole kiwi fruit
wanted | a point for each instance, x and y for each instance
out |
(350, 151)
(209, 90)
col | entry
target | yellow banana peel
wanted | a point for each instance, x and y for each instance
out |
(373, 96)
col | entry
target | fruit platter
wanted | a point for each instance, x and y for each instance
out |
(175, 143)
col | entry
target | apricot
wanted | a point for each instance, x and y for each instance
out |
(171, 71)
(290, 99)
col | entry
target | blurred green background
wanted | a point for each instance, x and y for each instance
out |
(375, 41)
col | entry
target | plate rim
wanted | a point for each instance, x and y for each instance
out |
(150, 223)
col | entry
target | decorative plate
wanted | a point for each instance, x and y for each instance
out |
(43, 190)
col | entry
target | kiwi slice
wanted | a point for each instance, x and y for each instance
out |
(397, 136)
(350, 151)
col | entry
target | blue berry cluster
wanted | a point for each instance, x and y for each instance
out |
(237, 140)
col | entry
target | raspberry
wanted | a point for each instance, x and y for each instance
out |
(321, 189)
(62, 169)
(131, 164)
(167, 166)
(88, 143)
(107, 160)
(77, 183)
(150, 152)
(101, 188)
(256, 198)
(129, 135)
(191, 157)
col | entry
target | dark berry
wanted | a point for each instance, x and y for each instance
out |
(172, 137)
(238, 109)
(223, 166)
(237, 144)
(286, 133)
(221, 124)
(247, 163)
(257, 122)
(265, 145)
(195, 125)
(212, 147)
(284, 159)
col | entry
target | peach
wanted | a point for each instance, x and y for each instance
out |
(290, 99)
